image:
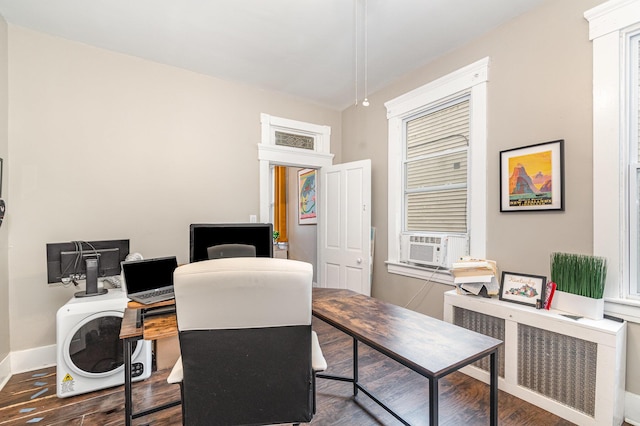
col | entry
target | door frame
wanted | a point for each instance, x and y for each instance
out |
(270, 154)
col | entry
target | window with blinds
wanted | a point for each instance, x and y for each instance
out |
(435, 169)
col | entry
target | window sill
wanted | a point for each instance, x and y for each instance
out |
(442, 276)
(626, 309)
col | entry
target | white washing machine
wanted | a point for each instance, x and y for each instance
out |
(89, 349)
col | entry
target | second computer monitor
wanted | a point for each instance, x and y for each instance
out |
(202, 236)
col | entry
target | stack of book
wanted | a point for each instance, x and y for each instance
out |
(476, 276)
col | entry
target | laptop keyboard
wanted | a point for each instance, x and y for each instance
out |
(156, 293)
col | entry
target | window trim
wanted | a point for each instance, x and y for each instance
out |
(632, 43)
(472, 78)
(609, 26)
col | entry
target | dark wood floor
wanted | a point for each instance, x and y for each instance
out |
(463, 400)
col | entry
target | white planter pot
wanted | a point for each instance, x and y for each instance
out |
(578, 305)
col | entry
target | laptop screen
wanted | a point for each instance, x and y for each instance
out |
(149, 274)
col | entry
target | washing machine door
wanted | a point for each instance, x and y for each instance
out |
(93, 347)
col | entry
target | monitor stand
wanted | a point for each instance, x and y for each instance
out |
(92, 280)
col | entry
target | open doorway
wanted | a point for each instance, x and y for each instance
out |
(297, 235)
(294, 145)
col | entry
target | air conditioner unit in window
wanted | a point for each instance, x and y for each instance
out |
(432, 249)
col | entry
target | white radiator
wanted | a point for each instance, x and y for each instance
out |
(574, 369)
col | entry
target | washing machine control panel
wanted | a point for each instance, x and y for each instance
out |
(137, 368)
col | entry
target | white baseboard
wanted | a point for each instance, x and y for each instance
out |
(33, 359)
(27, 360)
(632, 408)
(5, 371)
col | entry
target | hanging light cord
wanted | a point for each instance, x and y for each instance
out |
(355, 18)
(365, 102)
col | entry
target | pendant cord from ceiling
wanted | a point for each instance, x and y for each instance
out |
(356, 14)
(365, 102)
(355, 39)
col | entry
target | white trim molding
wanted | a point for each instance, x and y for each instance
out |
(320, 134)
(441, 276)
(33, 359)
(612, 16)
(457, 81)
(5, 371)
(632, 408)
(26, 360)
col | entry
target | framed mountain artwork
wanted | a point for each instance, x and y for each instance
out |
(532, 177)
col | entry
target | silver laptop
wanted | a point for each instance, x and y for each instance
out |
(150, 280)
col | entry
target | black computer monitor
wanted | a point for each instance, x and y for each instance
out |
(203, 236)
(79, 260)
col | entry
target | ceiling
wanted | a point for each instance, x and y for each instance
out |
(305, 48)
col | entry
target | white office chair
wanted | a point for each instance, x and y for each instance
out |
(248, 354)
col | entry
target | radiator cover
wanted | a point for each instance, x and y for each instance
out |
(572, 368)
(484, 324)
(559, 367)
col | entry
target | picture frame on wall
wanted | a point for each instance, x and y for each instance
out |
(524, 289)
(532, 178)
(307, 206)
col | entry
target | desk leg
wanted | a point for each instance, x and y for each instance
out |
(433, 401)
(493, 391)
(355, 367)
(128, 410)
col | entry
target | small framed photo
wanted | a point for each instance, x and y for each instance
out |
(307, 207)
(532, 178)
(522, 288)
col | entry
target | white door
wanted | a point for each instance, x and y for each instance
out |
(344, 227)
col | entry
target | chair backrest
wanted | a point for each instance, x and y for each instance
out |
(231, 250)
(245, 339)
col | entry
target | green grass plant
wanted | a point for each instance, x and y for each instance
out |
(579, 274)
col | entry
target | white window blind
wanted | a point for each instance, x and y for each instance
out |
(435, 169)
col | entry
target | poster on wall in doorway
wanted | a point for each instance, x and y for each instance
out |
(307, 207)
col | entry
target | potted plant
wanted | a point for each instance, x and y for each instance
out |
(580, 281)
(276, 235)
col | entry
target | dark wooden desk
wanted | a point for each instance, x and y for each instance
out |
(153, 328)
(428, 346)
